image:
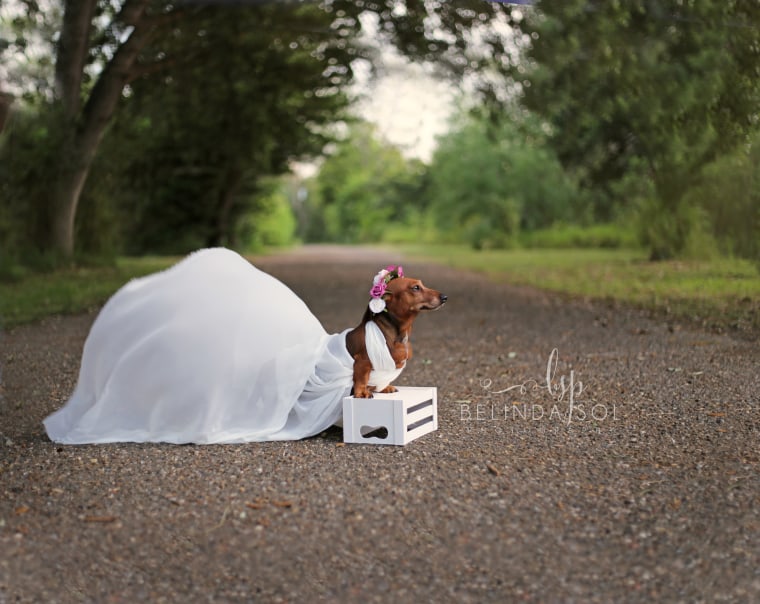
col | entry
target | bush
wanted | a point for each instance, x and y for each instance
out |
(273, 224)
(497, 228)
(417, 227)
(728, 197)
(679, 233)
(487, 182)
(718, 214)
(27, 148)
(566, 236)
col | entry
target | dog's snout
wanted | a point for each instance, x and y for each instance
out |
(443, 298)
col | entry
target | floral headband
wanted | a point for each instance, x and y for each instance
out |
(379, 285)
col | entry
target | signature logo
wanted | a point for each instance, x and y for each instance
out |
(564, 392)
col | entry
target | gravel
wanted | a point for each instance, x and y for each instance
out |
(650, 492)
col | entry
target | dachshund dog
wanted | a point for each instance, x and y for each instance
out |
(404, 299)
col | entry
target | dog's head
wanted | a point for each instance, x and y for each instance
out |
(405, 297)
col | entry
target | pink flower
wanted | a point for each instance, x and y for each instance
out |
(379, 285)
(397, 269)
(378, 289)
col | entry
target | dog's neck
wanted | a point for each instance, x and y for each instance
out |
(396, 334)
(391, 326)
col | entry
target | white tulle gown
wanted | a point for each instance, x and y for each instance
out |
(212, 350)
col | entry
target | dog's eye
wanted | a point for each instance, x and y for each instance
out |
(416, 288)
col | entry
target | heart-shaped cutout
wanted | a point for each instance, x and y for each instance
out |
(380, 432)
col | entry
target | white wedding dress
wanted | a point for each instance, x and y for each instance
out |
(212, 350)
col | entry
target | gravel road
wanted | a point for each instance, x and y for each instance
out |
(651, 492)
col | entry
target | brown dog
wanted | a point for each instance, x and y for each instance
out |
(404, 299)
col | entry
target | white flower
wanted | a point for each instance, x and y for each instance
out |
(377, 305)
(379, 277)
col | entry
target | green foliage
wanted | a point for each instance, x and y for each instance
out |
(727, 194)
(25, 161)
(100, 231)
(188, 158)
(655, 89)
(364, 186)
(489, 182)
(719, 214)
(569, 236)
(419, 227)
(681, 231)
(272, 224)
(257, 81)
(308, 211)
(723, 293)
(34, 296)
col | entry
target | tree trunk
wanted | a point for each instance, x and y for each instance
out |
(71, 54)
(6, 100)
(73, 170)
(85, 129)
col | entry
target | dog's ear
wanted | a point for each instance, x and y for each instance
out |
(388, 294)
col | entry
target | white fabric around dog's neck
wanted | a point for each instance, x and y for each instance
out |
(384, 369)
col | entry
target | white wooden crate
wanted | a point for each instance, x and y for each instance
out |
(391, 419)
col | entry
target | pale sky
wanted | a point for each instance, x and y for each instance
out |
(409, 106)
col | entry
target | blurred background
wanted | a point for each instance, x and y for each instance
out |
(134, 127)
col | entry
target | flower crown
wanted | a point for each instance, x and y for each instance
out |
(379, 285)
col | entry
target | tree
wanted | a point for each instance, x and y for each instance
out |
(664, 87)
(6, 100)
(364, 185)
(84, 114)
(191, 158)
(103, 46)
(488, 181)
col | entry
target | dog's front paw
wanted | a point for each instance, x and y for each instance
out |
(388, 389)
(362, 393)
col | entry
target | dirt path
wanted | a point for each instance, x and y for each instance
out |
(650, 493)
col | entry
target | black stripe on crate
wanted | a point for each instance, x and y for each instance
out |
(419, 422)
(418, 406)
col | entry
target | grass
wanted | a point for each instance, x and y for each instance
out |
(38, 295)
(573, 236)
(722, 293)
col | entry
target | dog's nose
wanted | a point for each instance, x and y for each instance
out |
(443, 298)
